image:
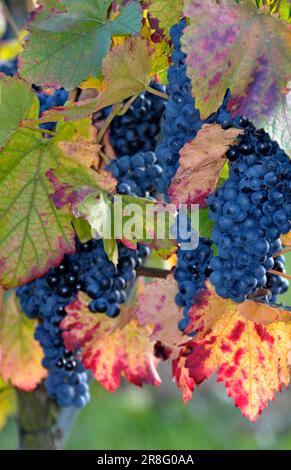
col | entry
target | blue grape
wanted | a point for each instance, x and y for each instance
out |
(250, 212)
(181, 118)
(138, 129)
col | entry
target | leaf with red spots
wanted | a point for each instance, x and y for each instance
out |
(181, 374)
(201, 163)
(111, 348)
(156, 306)
(77, 175)
(236, 46)
(20, 353)
(250, 358)
(33, 234)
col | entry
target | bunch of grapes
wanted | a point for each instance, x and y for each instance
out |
(251, 210)
(88, 270)
(193, 269)
(136, 175)
(67, 379)
(181, 118)
(138, 129)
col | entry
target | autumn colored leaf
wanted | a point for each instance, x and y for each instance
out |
(73, 183)
(263, 313)
(207, 309)
(77, 141)
(7, 402)
(20, 353)
(126, 70)
(80, 35)
(181, 375)
(247, 51)
(112, 348)
(250, 358)
(167, 12)
(156, 306)
(279, 124)
(38, 234)
(16, 105)
(201, 163)
(286, 239)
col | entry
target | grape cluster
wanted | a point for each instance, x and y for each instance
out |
(193, 268)
(88, 270)
(251, 210)
(136, 175)
(138, 129)
(67, 379)
(181, 118)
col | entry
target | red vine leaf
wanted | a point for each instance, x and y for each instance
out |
(112, 348)
(183, 379)
(201, 163)
(237, 47)
(250, 358)
(156, 306)
(20, 353)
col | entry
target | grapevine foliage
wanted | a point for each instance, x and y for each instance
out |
(142, 103)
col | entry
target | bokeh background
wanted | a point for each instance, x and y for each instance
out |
(155, 418)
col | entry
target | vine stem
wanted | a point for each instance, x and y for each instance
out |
(41, 424)
(104, 157)
(157, 93)
(11, 21)
(278, 4)
(277, 273)
(285, 250)
(158, 273)
(39, 130)
(118, 110)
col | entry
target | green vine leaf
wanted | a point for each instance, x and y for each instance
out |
(66, 48)
(34, 235)
(16, 104)
(217, 57)
(127, 72)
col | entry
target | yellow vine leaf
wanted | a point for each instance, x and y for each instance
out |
(7, 402)
(20, 353)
